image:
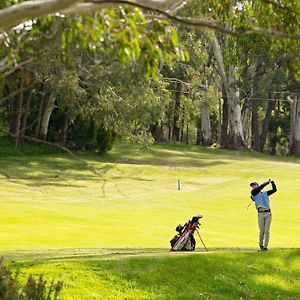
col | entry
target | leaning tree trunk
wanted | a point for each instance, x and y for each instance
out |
(40, 114)
(235, 127)
(46, 116)
(295, 126)
(206, 133)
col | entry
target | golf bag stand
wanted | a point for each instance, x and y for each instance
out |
(184, 240)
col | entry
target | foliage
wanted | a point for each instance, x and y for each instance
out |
(87, 134)
(33, 290)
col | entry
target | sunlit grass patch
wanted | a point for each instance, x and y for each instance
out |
(235, 275)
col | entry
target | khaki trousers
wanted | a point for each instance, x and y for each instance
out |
(264, 223)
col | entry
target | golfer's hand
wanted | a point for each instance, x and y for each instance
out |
(270, 180)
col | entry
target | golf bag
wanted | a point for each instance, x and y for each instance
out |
(184, 240)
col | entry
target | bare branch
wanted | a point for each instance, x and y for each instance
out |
(15, 14)
(176, 80)
(217, 27)
(16, 67)
(18, 91)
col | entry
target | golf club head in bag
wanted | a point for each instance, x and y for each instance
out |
(184, 240)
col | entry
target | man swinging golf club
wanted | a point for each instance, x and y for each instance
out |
(262, 203)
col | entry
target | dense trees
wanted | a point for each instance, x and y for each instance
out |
(80, 80)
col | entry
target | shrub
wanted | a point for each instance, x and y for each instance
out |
(33, 290)
(87, 134)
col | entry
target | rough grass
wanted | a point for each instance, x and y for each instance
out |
(272, 275)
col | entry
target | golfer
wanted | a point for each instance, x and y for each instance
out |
(262, 203)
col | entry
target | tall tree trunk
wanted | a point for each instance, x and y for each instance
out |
(295, 127)
(265, 127)
(247, 124)
(255, 126)
(219, 122)
(236, 134)
(50, 105)
(181, 132)
(40, 114)
(65, 130)
(170, 132)
(15, 124)
(26, 114)
(273, 131)
(187, 134)
(206, 133)
(224, 128)
(198, 137)
(235, 127)
(249, 78)
(176, 130)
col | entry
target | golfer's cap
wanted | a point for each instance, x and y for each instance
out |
(253, 183)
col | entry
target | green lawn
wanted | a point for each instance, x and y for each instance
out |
(239, 275)
(55, 208)
(56, 202)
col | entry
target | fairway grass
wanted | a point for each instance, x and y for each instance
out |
(107, 234)
(57, 202)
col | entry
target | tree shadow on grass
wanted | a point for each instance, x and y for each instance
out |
(61, 172)
(214, 276)
(190, 155)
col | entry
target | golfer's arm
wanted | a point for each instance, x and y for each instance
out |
(273, 190)
(259, 188)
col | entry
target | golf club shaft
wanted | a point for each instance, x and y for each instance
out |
(202, 240)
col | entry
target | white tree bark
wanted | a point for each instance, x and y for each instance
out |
(206, 126)
(236, 134)
(15, 14)
(295, 126)
(235, 130)
(46, 116)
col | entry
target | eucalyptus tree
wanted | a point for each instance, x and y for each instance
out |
(69, 53)
(233, 18)
(231, 61)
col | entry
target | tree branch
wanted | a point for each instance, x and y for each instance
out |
(15, 14)
(176, 80)
(217, 27)
(16, 67)
(18, 91)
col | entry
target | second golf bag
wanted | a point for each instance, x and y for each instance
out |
(184, 240)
